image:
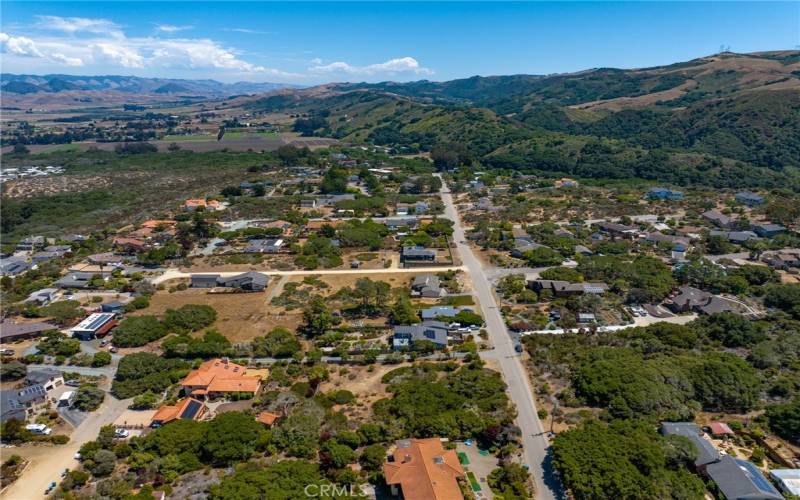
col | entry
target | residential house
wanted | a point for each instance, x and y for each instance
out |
(586, 318)
(114, 307)
(523, 245)
(94, 326)
(788, 480)
(768, 230)
(250, 281)
(617, 230)
(218, 377)
(706, 452)
(80, 280)
(563, 233)
(690, 299)
(421, 207)
(582, 250)
(749, 198)
(402, 209)
(418, 254)
(201, 203)
(30, 244)
(428, 286)
(332, 199)
(184, 409)
(783, 260)
(12, 332)
(718, 219)
(308, 203)
(106, 259)
(442, 312)
(720, 429)
(564, 288)
(19, 404)
(661, 193)
(740, 479)
(395, 224)
(47, 378)
(421, 469)
(130, 245)
(269, 245)
(657, 237)
(203, 280)
(565, 182)
(738, 237)
(14, 266)
(42, 297)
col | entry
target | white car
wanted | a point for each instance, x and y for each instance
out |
(40, 429)
(121, 433)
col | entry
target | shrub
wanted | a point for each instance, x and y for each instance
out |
(138, 331)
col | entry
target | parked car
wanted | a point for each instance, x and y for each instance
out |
(518, 347)
(7, 352)
(121, 433)
(73, 383)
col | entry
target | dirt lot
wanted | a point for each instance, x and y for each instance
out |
(365, 384)
(240, 316)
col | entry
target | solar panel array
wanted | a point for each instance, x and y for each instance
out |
(191, 410)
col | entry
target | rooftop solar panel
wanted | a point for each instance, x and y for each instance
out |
(191, 410)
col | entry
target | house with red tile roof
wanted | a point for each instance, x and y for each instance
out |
(194, 204)
(185, 409)
(423, 470)
(219, 377)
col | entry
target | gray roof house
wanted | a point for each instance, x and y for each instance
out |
(427, 285)
(47, 378)
(441, 312)
(522, 245)
(565, 288)
(719, 219)
(768, 230)
(204, 280)
(42, 297)
(741, 480)
(418, 254)
(250, 280)
(264, 246)
(749, 198)
(12, 266)
(10, 331)
(17, 403)
(693, 299)
(78, 279)
(706, 452)
(406, 335)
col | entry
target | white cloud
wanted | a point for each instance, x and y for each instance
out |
(400, 65)
(74, 25)
(25, 47)
(169, 28)
(19, 45)
(117, 53)
(249, 31)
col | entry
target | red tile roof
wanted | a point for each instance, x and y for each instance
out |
(424, 470)
(218, 375)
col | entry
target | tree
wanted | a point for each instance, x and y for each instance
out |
(140, 372)
(403, 313)
(785, 420)
(509, 482)
(298, 435)
(145, 401)
(13, 370)
(318, 317)
(731, 329)
(88, 398)
(284, 480)
(104, 463)
(334, 181)
(280, 342)
(373, 457)
(334, 455)
(101, 358)
(624, 459)
(725, 382)
(189, 318)
(231, 437)
(135, 331)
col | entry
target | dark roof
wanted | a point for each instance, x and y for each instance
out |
(9, 329)
(191, 410)
(739, 480)
(706, 453)
(205, 277)
(41, 376)
(248, 277)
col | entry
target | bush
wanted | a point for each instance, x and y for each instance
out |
(144, 401)
(104, 462)
(101, 358)
(137, 331)
(142, 371)
(88, 398)
(13, 370)
(280, 342)
(189, 318)
(342, 397)
(59, 439)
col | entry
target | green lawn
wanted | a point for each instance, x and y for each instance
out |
(473, 481)
(457, 300)
(185, 138)
(239, 135)
(463, 458)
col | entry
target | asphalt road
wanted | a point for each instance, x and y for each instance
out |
(535, 444)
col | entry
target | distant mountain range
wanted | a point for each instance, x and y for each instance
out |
(728, 120)
(31, 84)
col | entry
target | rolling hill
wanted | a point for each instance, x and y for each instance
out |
(728, 120)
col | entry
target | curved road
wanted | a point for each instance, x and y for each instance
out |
(535, 444)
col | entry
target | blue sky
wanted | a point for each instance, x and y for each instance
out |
(310, 43)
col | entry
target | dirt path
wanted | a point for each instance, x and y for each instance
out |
(47, 463)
